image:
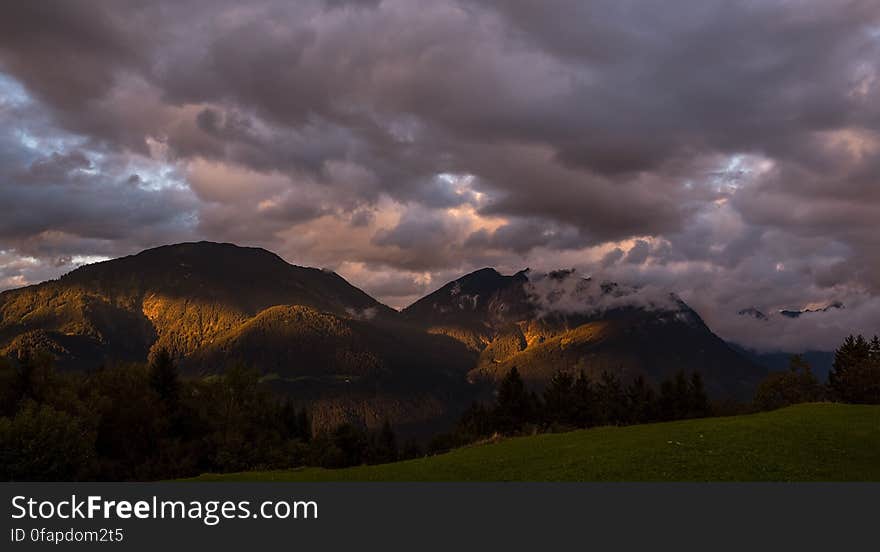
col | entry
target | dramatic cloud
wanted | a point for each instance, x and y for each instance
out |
(727, 152)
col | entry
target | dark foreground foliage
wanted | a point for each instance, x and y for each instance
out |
(135, 422)
(855, 378)
(577, 402)
(143, 422)
(571, 402)
(797, 385)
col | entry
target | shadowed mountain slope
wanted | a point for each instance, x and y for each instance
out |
(318, 339)
(561, 322)
(181, 297)
(309, 333)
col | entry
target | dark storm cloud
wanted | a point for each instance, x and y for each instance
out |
(352, 3)
(725, 149)
(523, 235)
(639, 252)
(65, 202)
(69, 52)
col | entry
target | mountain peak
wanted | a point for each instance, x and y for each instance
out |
(476, 295)
(753, 312)
(177, 296)
(202, 256)
(807, 310)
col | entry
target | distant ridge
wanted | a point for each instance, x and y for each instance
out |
(314, 336)
(309, 332)
(501, 318)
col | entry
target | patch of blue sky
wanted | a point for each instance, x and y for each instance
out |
(12, 93)
(155, 175)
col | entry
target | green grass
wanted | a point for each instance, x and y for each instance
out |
(811, 442)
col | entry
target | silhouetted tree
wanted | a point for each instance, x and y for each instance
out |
(698, 401)
(475, 422)
(514, 404)
(667, 403)
(36, 376)
(8, 387)
(386, 445)
(411, 449)
(304, 425)
(682, 395)
(352, 441)
(586, 403)
(797, 385)
(114, 424)
(164, 379)
(295, 423)
(641, 401)
(611, 399)
(560, 403)
(41, 443)
(130, 422)
(855, 377)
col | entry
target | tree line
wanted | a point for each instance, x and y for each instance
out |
(854, 378)
(572, 402)
(144, 422)
(575, 401)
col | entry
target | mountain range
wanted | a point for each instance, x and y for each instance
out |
(317, 338)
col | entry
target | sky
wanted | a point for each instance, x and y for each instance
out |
(728, 152)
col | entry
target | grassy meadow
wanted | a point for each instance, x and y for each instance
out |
(808, 442)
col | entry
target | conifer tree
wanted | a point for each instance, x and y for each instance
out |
(611, 399)
(699, 401)
(666, 403)
(641, 401)
(475, 422)
(8, 387)
(559, 400)
(513, 406)
(682, 396)
(855, 376)
(164, 378)
(387, 444)
(304, 425)
(585, 401)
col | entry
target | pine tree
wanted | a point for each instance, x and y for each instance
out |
(475, 422)
(513, 406)
(304, 425)
(295, 423)
(559, 400)
(36, 375)
(24, 383)
(666, 404)
(352, 443)
(641, 401)
(855, 377)
(699, 401)
(387, 444)
(411, 449)
(8, 387)
(585, 401)
(681, 396)
(164, 379)
(611, 399)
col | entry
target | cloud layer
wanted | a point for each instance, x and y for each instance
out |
(727, 152)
